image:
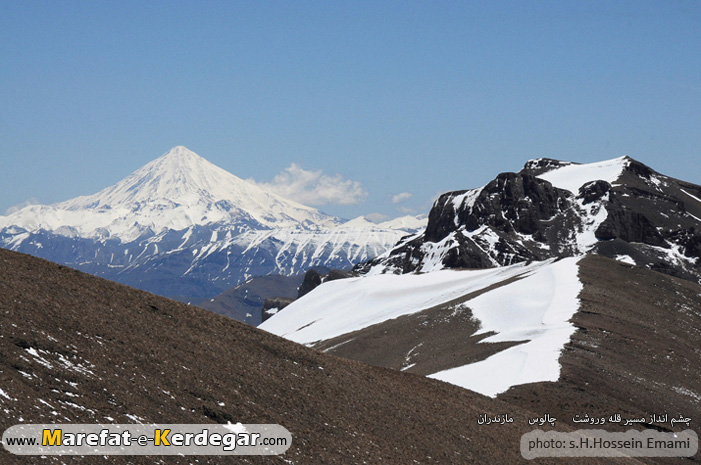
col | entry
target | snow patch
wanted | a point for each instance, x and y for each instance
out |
(345, 305)
(6, 395)
(536, 310)
(572, 177)
(625, 259)
(690, 195)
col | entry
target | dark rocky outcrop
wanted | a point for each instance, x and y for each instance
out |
(338, 274)
(518, 217)
(272, 305)
(628, 225)
(512, 206)
(594, 191)
(542, 165)
(312, 279)
(513, 202)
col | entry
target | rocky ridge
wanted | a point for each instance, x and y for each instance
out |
(618, 208)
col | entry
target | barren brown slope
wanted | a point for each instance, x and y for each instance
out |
(425, 342)
(110, 353)
(637, 350)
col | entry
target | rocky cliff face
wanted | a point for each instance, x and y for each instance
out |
(619, 208)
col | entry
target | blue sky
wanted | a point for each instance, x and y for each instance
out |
(382, 98)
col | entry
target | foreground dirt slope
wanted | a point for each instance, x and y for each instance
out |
(637, 350)
(425, 342)
(95, 351)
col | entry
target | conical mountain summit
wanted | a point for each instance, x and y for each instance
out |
(177, 190)
(183, 227)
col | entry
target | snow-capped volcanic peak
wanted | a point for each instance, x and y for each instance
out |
(572, 176)
(179, 175)
(202, 228)
(177, 190)
(183, 178)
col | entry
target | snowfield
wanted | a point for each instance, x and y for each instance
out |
(342, 306)
(534, 310)
(572, 177)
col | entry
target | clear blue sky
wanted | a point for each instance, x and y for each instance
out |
(417, 97)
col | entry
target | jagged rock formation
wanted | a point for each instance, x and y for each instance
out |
(312, 279)
(618, 208)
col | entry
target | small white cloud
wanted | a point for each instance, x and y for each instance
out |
(402, 197)
(19, 206)
(377, 217)
(314, 187)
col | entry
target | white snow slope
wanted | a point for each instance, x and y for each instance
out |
(535, 309)
(573, 176)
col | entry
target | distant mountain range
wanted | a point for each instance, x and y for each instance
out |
(184, 228)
